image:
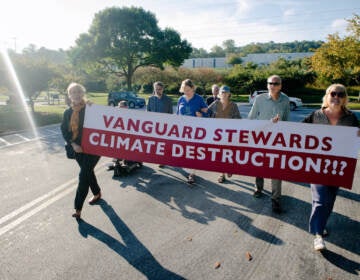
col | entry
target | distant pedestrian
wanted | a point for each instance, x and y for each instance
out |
(333, 112)
(224, 108)
(71, 128)
(159, 102)
(273, 106)
(214, 96)
(190, 104)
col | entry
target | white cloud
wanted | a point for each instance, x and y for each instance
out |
(288, 13)
(339, 24)
(244, 7)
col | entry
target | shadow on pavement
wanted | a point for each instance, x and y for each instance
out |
(205, 195)
(133, 250)
(171, 189)
(341, 262)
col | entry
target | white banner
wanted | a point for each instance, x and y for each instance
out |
(285, 150)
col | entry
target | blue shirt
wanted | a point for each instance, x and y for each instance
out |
(190, 107)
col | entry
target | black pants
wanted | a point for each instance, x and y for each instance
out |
(87, 178)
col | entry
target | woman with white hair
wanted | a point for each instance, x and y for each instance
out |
(71, 128)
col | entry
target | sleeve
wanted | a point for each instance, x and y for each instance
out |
(309, 118)
(65, 124)
(356, 121)
(170, 110)
(235, 114)
(287, 112)
(253, 111)
(203, 105)
(212, 110)
(177, 107)
(148, 107)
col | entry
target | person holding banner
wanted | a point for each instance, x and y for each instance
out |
(333, 112)
(159, 102)
(274, 106)
(191, 104)
(71, 128)
(224, 108)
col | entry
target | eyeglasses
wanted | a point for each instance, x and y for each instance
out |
(339, 94)
(273, 84)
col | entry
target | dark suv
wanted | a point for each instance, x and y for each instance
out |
(130, 97)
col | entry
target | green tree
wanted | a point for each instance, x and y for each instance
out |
(234, 59)
(121, 40)
(338, 60)
(354, 26)
(33, 74)
(229, 46)
(217, 51)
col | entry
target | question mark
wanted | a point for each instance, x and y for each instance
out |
(327, 163)
(343, 165)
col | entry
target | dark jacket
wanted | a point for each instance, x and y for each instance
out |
(65, 126)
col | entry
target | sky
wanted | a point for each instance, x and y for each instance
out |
(56, 24)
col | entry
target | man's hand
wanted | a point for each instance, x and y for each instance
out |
(275, 119)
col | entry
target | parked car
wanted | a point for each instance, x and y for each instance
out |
(130, 97)
(294, 101)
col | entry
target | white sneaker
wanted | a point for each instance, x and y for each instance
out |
(319, 243)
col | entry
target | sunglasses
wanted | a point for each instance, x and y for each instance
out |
(273, 84)
(339, 94)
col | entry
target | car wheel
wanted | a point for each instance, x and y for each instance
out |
(131, 105)
(112, 104)
(292, 106)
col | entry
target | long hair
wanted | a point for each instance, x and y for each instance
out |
(335, 87)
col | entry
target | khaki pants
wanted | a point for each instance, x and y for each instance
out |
(275, 187)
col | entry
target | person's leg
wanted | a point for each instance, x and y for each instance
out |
(276, 195)
(83, 185)
(332, 193)
(323, 200)
(319, 211)
(92, 161)
(259, 183)
(276, 189)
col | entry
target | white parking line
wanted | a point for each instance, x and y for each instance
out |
(4, 141)
(34, 211)
(49, 198)
(22, 137)
(36, 201)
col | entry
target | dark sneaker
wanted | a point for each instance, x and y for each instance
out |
(276, 207)
(257, 194)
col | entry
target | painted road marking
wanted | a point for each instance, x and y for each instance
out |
(49, 198)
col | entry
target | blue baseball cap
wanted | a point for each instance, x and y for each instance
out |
(224, 89)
